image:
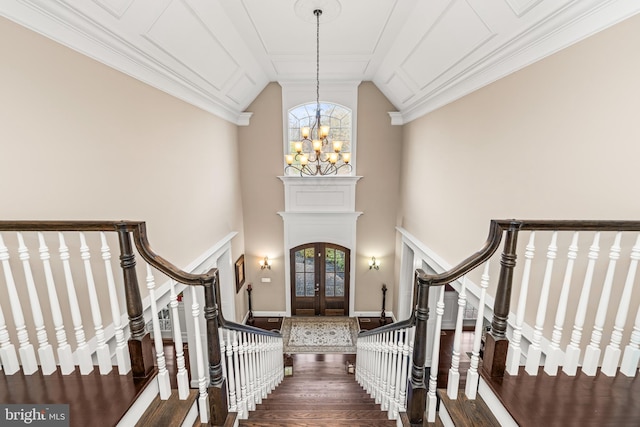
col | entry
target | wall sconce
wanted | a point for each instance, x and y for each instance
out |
(265, 263)
(374, 263)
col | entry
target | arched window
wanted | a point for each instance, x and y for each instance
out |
(337, 117)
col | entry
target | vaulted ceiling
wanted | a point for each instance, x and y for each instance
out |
(220, 54)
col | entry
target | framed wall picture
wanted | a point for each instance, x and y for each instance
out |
(239, 273)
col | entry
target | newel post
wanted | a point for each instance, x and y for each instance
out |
(417, 388)
(140, 345)
(496, 343)
(218, 406)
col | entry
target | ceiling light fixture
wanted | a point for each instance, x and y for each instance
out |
(315, 154)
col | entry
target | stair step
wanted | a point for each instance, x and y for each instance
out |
(300, 414)
(467, 413)
(170, 412)
(229, 422)
(341, 405)
(318, 423)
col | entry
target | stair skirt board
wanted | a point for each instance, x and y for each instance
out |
(192, 416)
(131, 417)
(445, 417)
(499, 411)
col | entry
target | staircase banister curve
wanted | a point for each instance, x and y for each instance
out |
(491, 245)
(144, 249)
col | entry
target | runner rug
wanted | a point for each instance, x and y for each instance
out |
(320, 334)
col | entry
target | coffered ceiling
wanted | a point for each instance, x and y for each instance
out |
(220, 54)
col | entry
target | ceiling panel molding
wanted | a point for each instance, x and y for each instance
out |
(219, 55)
(520, 7)
(577, 24)
(117, 8)
(188, 46)
(444, 45)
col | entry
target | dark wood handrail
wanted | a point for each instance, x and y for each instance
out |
(411, 321)
(233, 326)
(139, 230)
(496, 229)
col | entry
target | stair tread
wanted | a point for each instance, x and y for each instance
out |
(170, 412)
(300, 414)
(467, 413)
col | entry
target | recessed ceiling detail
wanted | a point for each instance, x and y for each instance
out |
(219, 54)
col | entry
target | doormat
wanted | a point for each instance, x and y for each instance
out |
(320, 334)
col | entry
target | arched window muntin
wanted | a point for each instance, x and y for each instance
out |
(338, 117)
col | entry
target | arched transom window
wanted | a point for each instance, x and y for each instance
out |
(337, 117)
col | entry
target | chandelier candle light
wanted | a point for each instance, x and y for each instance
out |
(315, 154)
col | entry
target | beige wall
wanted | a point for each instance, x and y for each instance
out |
(377, 195)
(558, 139)
(260, 147)
(80, 140)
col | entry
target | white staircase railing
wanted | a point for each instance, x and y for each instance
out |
(566, 289)
(384, 361)
(90, 290)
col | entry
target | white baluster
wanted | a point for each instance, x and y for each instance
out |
(393, 410)
(8, 355)
(164, 384)
(45, 350)
(592, 353)
(251, 391)
(102, 349)
(264, 373)
(515, 350)
(554, 357)
(535, 352)
(572, 354)
(244, 374)
(122, 349)
(65, 355)
(252, 369)
(612, 352)
(182, 375)
(398, 374)
(203, 398)
(453, 383)
(231, 374)
(376, 380)
(242, 410)
(384, 372)
(402, 396)
(83, 353)
(631, 358)
(432, 399)
(25, 350)
(471, 388)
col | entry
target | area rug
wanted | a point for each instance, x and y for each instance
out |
(320, 334)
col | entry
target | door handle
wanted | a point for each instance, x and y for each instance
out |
(317, 287)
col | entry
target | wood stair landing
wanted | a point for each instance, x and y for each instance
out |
(466, 413)
(93, 399)
(564, 401)
(167, 413)
(320, 393)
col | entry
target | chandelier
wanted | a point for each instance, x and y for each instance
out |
(315, 154)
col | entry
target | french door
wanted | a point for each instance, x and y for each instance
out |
(320, 280)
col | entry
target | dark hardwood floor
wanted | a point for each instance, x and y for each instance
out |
(93, 399)
(320, 393)
(564, 401)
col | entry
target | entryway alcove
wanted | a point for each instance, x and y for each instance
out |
(320, 209)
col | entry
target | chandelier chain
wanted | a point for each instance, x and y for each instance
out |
(317, 12)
